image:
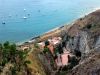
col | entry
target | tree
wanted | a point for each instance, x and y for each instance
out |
(47, 43)
(9, 54)
(46, 49)
(1, 54)
(6, 45)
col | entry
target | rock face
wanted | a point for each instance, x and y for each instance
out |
(90, 65)
(84, 36)
(82, 39)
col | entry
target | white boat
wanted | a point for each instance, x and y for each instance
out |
(24, 17)
(24, 9)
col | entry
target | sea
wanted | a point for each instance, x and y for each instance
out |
(21, 20)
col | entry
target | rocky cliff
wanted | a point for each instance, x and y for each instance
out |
(84, 37)
(84, 34)
(89, 66)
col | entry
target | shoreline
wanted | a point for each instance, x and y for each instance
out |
(88, 12)
(33, 39)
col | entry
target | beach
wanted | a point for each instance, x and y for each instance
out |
(55, 32)
(31, 18)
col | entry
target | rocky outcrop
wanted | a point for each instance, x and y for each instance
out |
(84, 35)
(90, 65)
(82, 39)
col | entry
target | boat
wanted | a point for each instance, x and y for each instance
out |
(3, 22)
(24, 17)
(24, 9)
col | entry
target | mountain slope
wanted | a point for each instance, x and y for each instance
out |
(84, 36)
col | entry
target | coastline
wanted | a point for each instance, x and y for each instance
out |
(33, 39)
(88, 12)
(54, 30)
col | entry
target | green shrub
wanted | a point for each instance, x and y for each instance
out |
(9, 54)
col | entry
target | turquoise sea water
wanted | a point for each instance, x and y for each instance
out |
(25, 19)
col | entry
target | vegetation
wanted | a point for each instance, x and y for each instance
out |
(47, 43)
(36, 45)
(9, 54)
(46, 49)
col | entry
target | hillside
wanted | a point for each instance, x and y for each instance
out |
(84, 36)
(81, 39)
(90, 65)
(78, 44)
